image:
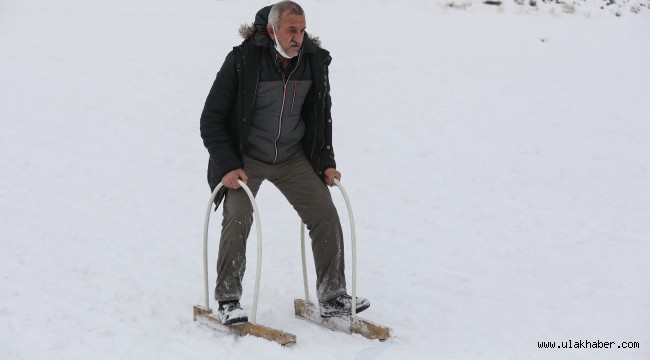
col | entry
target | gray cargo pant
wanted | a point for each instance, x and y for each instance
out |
(310, 197)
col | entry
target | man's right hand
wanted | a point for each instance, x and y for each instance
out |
(230, 179)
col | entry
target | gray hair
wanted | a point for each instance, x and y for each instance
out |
(280, 8)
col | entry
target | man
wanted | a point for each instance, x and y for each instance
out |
(267, 117)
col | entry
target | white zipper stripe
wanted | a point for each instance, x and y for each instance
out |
(284, 95)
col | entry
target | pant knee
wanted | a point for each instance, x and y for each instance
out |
(325, 215)
(238, 209)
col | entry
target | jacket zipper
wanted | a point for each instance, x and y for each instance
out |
(323, 113)
(275, 143)
(284, 96)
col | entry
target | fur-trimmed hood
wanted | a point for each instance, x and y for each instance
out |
(256, 32)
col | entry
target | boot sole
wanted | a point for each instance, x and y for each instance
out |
(235, 321)
(343, 313)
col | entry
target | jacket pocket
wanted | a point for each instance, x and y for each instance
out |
(293, 100)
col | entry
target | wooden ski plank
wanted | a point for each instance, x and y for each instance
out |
(347, 324)
(206, 316)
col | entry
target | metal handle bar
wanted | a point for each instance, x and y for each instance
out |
(258, 229)
(353, 243)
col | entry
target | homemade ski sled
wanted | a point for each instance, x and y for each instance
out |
(204, 315)
(306, 310)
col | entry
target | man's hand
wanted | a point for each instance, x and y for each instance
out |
(330, 175)
(230, 179)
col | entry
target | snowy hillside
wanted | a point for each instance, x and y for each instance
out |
(587, 8)
(498, 163)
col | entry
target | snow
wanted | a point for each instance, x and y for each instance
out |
(497, 162)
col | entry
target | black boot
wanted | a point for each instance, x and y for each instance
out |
(342, 306)
(230, 312)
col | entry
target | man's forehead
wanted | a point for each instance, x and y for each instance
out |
(288, 19)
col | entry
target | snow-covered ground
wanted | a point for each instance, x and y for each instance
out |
(498, 163)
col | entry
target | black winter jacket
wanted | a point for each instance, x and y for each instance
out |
(228, 111)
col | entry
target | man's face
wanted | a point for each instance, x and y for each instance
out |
(290, 33)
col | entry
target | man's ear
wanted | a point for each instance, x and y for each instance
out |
(269, 30)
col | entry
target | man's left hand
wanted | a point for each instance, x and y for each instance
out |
(330, 175)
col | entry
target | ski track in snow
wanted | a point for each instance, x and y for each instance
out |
(497, 163)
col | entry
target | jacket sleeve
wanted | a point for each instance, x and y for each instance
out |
(216, 132)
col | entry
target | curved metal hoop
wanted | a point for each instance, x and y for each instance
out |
(258, 229)
(353, 243)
